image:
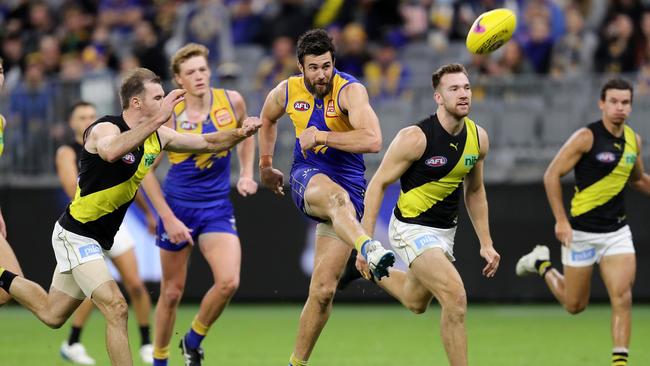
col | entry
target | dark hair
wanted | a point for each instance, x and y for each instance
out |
(618, 84)
(314, 42)
(133, 84)
(446, 69)
(79, 104)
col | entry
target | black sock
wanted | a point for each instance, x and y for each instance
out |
(6, 278)
(542, 266)
(75, 335)
(144, 334)
(619, 358)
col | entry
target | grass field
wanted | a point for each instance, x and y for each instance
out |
(521, 335)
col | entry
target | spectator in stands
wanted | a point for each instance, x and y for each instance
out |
(615, 53)
(246, 21)
(385, 75)
(149, 51)
(277, 67)
(120, 16)
(40, 25)
(573, 53)
(511, 62)
(353, 50)
(535, 34)
(75, 30)
(12, 54)
(30, 110)
(50, 50)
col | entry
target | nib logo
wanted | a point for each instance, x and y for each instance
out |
(479, 28)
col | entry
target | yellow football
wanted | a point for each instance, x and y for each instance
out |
(491, 30)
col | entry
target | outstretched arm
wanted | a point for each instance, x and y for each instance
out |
(106, 140)
(477, 208)
(565, 160)
(366, 135)
(639, 179)
(272, 110)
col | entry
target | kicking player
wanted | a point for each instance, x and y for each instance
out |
(334, 126)
(605, 156)
(7, 257)
(435, 160)
(118, 152)
(195, 207)
(122, 254)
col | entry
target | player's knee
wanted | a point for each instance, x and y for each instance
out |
(171, 295)
(622, 299)
(228, 287)
(323, 294)
(136, 289)
(4, 298)
(54, 322)
(575, 307)
(339, 199)
(455, 305)
(417, 308)
(117, 310)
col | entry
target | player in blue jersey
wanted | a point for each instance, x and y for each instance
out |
(334, 125)
(195, 207)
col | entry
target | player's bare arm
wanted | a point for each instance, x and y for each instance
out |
(565, 160)
(66, 169)
(246, 185)
(209, 142)
(407, 147)
(477, 207)
(106, 140)
(639, 179)
(177, 231)
(366, 136)
(272, 110)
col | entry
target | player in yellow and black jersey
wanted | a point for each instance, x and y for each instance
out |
(435, 161)
(117, 153)
(605, 156)
(7, 257)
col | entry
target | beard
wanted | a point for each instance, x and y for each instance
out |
(317, 90)
(456, 113)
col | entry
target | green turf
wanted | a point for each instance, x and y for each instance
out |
(358, 335)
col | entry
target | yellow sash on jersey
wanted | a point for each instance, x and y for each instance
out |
(95, 205)
(301, 104)
(611, 185)
(418, 200)
(223, 118)
(3, 122)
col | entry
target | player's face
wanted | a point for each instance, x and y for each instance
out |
(82, 117)
(151, 99)
(617, 105)
(455, 94)
(318, 72)
(194, 76)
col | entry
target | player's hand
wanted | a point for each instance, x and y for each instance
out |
(246, 186)
(151, 223)
(362, 266)
(563, 232)
(177, 231)
(250, 126)
(3, 227)
(492, 258)
(308, 139)
(272, 179)
(169, 102)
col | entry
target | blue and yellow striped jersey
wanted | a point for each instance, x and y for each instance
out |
(305, 111)
(197, 180)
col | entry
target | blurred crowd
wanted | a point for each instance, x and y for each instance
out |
(58, 51)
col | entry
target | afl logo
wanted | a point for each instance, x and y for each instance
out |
(606, 157)
(301, 106)
(128, 158)
(436, 161)
(186, 125)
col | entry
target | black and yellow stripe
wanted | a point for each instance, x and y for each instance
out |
(619, 359)
(105, 190)
(601, 175)
(430, 188)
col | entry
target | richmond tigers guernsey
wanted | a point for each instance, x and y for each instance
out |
(601, 174)
(430, 187)
(105, 190)
(3, 122)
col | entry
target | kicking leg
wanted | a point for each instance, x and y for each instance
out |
(8, 261)
(73, 349)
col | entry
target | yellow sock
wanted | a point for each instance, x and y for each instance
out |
(359, 242)
(161, 353)
(1, 270)
(296, 362)
(542, 267)
(619, 358)
(199, 327)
